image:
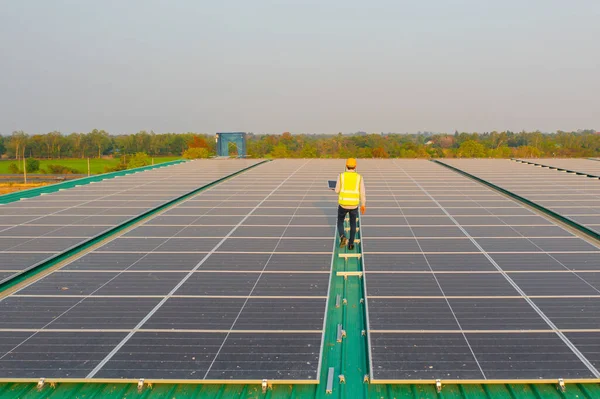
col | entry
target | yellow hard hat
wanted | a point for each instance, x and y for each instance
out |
(351, 163)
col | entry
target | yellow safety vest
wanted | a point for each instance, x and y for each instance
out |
(349, 189)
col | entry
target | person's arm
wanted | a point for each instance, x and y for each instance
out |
(363, 195)
(337, 185)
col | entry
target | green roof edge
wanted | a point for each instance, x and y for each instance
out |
(233, 391)
(51, 188)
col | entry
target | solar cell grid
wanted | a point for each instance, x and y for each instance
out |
(563, 311)
(449, 295)
(575, 197)
(447, 310)
(525, 356)
(58, 221)
(256, 298)
(73, 353)
(589, 344)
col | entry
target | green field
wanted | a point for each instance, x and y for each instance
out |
(96, 165)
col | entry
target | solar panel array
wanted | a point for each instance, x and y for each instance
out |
(36, 229)
(464, 283)
(573, 196)
(461, 283)
(230, 284)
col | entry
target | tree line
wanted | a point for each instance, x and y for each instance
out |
(99, 143)
(96, 143)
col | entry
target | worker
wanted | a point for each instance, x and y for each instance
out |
(351, 189)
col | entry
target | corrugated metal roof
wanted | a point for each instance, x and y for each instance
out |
(189, 391)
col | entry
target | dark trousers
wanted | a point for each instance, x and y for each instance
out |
(340, 222)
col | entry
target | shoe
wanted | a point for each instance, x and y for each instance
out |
(351, 247)
(343, 242)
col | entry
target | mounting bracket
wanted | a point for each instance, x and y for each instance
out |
(341, 333)
(264, 385)
(561, 385)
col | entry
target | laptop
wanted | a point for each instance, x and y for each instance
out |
(331, 184)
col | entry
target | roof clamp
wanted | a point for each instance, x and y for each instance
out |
(362, 300)
(345, 301)
(366, 379)
(340, 333)
(140, 384)
(561, 385)
(363, 333)
(342, 379)
(41, 383)
(438, 385)
(264, 385)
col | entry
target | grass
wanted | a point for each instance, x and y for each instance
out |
(7, 188)
(96, 165)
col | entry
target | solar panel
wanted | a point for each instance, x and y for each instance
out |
(468, 284)
(65, 363)
(588, 343)
(194, 294)
(53, 223)
(562, 312)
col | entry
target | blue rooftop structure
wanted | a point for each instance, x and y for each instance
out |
(223, 140)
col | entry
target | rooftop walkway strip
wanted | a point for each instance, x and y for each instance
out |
(344, 364)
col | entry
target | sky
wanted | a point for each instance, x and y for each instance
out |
(304, 66)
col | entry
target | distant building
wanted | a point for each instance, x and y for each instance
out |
(223, 140)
